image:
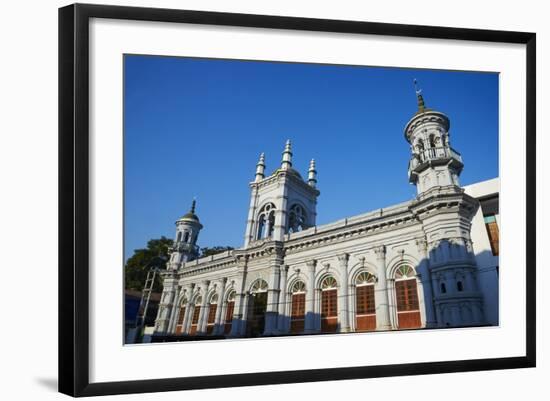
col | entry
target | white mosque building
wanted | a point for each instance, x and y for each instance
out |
(430, 262)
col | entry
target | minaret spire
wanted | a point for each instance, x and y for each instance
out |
(286, 164)
(419, 97)
(312, 174)
(260, 168)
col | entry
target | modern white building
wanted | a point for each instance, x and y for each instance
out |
(427, 263)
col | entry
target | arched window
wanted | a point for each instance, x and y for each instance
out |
(298, 307)
(329, 305)
(419, 146)
(212, 308)
(178, 239)
(365, 310)
(181, 315)
(296, 219)
(228, 319)
(406, 292)
(266, 221)
(196, 314)
(186, 237)
(259, 286)
(443, 288)
(432, 141)
(459, 286)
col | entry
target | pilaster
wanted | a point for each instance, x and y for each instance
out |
(343, 303)
(381, 291)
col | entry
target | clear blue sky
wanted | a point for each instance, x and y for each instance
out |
(195, 128)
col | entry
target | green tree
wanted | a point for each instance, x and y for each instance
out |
(137, 266)
(206, 251)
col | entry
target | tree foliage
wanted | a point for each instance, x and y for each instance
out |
(206, 251)
(155, 255)
(137, 266)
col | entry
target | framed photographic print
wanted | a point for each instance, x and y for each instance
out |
(251, 199)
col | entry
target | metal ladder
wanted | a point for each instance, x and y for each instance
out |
(145, 297)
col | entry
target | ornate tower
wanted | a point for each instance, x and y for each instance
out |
(185, 245)
(281, 203)
(433, 163)
(448, 268)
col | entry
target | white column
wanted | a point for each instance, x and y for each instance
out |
(165, 307)
(272, 298)
(425, 277)
(343, 302)
(309, 324)
(280, 213)
(245, 303)
(381, 291)
(203, 317)
(250, 233)
(352, 291)
(174, 311)
(217, 321)
(237, 321)
(186, 317)
(282, 326)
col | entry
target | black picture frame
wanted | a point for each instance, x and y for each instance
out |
(74, 198)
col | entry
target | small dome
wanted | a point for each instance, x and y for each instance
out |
(290, 171)
(190, 215)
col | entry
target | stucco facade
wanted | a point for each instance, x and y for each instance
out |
(411, 265)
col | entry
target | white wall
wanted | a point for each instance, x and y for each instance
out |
(28, 165)
(486, 262)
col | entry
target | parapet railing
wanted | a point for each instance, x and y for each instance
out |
(433, 154)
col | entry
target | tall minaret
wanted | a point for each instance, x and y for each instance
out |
(433, 163)
(312, 174)
(448, 268)
(286, 163)
(185, 246)
(260, 168)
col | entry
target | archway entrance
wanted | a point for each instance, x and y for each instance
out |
(406, 292)
(329, 305)
(257, 306)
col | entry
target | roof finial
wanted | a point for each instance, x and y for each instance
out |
(312, 174)
(420, 98)
(287, 156)
(193, 204)
(260, 168)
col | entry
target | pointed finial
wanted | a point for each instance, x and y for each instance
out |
(193, 205)
(312, 174)
(260, 168)
(419, 97)
(287, 156)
